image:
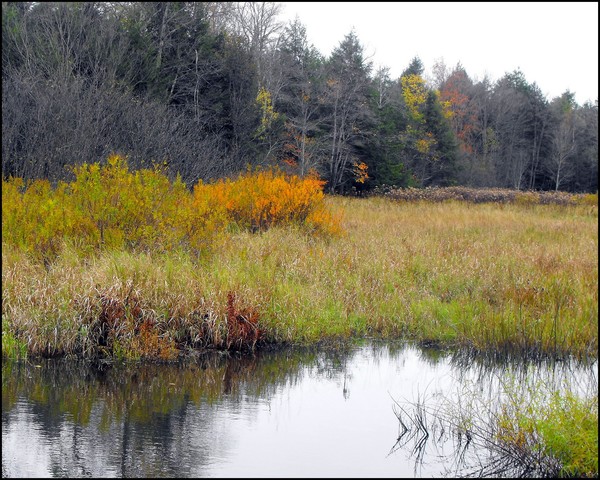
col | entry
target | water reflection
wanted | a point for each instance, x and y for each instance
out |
(286, 413)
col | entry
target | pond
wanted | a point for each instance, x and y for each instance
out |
(286, 413)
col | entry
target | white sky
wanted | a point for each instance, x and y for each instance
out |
(555, 44)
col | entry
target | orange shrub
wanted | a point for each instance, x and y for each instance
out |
(261, 199)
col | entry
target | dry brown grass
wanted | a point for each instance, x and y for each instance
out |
(487, 195)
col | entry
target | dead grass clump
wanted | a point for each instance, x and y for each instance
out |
(242, 325)
(122, 329)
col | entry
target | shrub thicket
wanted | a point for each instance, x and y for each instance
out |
(487, 195)
(110, 206)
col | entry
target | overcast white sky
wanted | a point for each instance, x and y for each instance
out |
(555, 44)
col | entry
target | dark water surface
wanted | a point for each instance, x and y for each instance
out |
(292, 413)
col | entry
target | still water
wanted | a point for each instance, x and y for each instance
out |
(290, 413)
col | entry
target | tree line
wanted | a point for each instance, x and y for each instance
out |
(205, 89)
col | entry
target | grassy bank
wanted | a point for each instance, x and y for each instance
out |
(517, 278)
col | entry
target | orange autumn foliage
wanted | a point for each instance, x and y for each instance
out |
(258, 200)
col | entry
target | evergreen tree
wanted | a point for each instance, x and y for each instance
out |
(348, 114)
(443, 160)
(415, 67)
(383, 153)
(300, 100)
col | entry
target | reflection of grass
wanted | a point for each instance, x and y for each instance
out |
(537, 431)
(142, 390)
(510, 277)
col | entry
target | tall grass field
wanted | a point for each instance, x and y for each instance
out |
(132, 265)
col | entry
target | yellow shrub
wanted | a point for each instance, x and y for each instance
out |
(527, 198)
(590, 199)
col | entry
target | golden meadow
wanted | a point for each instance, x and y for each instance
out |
(131, 265)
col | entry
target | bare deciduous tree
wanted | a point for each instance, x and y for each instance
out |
(258, 24)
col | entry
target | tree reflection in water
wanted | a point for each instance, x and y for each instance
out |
(237, 415)
(151, 419)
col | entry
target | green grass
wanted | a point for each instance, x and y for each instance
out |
(491, 277)
(11, 346)
(568, 431)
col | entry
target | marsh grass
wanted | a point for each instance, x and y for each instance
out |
(12, 347)
(506, 278)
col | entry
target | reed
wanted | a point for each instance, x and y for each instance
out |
(536, 430)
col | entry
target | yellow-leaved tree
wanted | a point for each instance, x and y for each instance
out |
(414, 93)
